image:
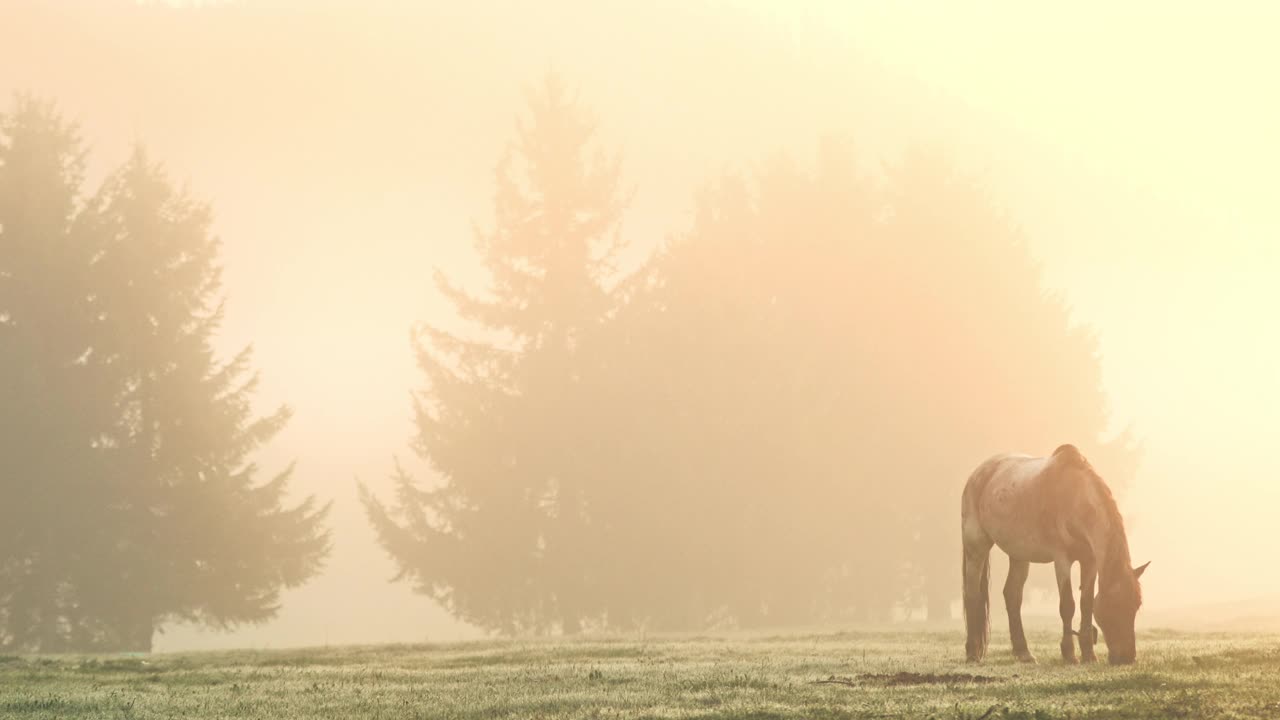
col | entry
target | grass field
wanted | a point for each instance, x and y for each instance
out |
(877, 675)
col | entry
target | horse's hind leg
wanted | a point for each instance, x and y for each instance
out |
(977, 584)
(1018, 570)
(1066, 607)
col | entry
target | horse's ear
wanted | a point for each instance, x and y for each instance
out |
(1137, 572)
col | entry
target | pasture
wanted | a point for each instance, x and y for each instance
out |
(871, 674)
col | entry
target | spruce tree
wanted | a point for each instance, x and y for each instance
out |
(505, 539)
(128, 496)
(196, 533)
(55, 390)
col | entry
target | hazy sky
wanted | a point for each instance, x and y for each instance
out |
(347, 152)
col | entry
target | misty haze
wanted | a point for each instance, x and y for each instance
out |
(497, 337)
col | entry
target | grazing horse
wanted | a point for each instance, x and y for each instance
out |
(1049, 509)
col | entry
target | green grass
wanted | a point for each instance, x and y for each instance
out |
(1178, 675)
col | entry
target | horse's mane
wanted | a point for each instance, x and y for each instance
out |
(1118, 559)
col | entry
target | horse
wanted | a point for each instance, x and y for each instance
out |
(1049, 509)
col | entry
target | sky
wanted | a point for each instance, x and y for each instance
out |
(348, 148)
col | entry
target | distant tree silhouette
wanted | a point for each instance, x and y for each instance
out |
(824, 359)
(136, 499)
(747, 358)
(507, 540)
(54, 392)
(200, 536)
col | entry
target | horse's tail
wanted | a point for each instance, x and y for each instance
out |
(975, 564)
(977, 605)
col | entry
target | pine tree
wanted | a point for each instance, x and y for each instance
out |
(506, 539)
(194, 534)
(127, 495)
(54, 389)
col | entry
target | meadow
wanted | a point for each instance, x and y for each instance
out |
(850, 674)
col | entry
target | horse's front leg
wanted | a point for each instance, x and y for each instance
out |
(1013, 585)
(1066, 606)
(1088, 579)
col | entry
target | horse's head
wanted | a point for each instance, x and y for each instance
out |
(1116, 608)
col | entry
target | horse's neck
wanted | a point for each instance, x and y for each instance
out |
(1110, 548)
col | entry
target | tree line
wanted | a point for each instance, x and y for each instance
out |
(766, 422)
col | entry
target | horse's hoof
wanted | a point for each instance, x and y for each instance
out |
(1070, 660)
(1026, 658)
(1089, 659)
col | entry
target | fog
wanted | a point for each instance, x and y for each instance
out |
(347, 149)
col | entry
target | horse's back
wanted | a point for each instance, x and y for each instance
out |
(1004, 501)
(995, 466)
